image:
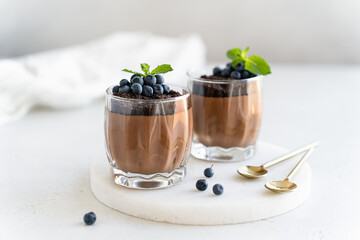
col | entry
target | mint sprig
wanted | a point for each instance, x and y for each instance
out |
(161, 69)
(254, 64)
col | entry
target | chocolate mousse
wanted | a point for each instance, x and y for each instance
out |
(226, 115)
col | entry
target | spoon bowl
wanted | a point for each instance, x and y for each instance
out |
(281, 186)
(252, 171)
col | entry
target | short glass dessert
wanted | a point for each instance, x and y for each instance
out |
(227, 110)
(148, 139)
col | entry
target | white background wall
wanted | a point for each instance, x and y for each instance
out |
(307, 31)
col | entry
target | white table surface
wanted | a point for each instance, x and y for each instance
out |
(45, 160)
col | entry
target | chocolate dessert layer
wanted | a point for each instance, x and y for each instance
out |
(149, 144)
(227, 89)
(227, 115)
(147, 107)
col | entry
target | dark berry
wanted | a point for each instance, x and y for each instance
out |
(209, 172)
(218, 189)
(226, 72)
(166, 89)
(138, 80)
(150, 80)
(89, 218)
(245, 74)
(124, 82)
(229, 65)
(136, 88)
(115, 89)
(158, 89)
(201, 185)
(159, 79)
(252, 75)
(135, 75)
(239, 67)
(148, 91)
(217, 71)
(124, 89)
(235, 75)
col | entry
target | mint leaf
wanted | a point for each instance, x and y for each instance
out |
(130, 71)
(257, 65)
(145, 67)
(161, 69)
(243, 53)
(234, 54)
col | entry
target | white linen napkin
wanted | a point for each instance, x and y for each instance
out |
(77, 75)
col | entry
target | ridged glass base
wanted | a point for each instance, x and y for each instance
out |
(152, 181)
(200, 151)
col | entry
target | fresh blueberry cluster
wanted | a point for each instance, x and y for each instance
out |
(89, 218)
(202, 184)
(237, 72)
(146, 86)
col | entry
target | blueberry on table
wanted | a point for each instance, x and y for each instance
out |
(115, 89)
(239, 67)
(159, 79)
(89, 218)
(235, 75)
(217, 71)
(245, 74)
(229, 65)
(218, 189)
(201, 185)
(148, 91)
(136, 88)
(150, 80)
(226, 72)
(124, 82)
(124, 89)
(138, 80)
(209, 172)
(166, 89)
(158, 89)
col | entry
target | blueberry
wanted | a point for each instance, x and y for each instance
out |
(124, 82)
(158, 89)
(226, 72)
(136, 88)
(159, 79)
(148, 91)
(124, 89)
(239, 67)
(245, 74)
(229, 65)
(218, 189)
(209, 172)
(201, 185)
(150, 80)
(252, 75)
(115, 89)
(89, 218)
(166, 89)
(135, 75)
(138, 80)
(235, 75)
(217, 71)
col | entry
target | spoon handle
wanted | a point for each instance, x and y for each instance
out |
(299, 164)
(289, 155)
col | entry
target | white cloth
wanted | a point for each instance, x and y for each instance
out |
(77, 75)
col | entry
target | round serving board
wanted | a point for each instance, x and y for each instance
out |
(244, 200)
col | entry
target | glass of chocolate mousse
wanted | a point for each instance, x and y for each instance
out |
(148, 137)
(226, 116)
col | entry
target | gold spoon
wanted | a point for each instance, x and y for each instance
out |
(286, 185)
(260, 171)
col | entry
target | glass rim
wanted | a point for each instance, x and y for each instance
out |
(222, 81)
(164, 100)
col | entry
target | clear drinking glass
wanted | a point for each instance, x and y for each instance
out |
(148, 141)
(227, 117)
